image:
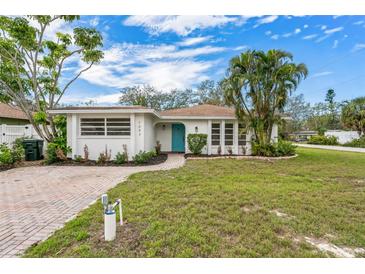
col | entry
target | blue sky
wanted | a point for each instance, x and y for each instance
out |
(181, 51)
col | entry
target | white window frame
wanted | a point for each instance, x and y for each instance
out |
(105, 135)
(110, 127)
(85, 127)
(231, 135)
(216, 134)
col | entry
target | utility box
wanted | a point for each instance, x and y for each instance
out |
(33, 149)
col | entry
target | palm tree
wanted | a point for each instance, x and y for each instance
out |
(258, 85)
(353, 115)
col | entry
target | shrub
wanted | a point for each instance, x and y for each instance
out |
(102, 159)
(78, 158)
(360, 142)
(158, 148)
(120, 158)
(143, 157)
(285, 148)
(281, 148)
(18, 151)
(51, 153)
(267, 150)
(6, 156)
(104, 156)
(196, 142)
(323, 140)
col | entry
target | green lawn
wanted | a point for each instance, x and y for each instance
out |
(224, 208)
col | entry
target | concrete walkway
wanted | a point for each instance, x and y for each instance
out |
(36, 201)
(338, 148)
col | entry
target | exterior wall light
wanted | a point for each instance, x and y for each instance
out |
(196, 129)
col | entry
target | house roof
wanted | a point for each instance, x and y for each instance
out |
(204, 110)
(7, 111)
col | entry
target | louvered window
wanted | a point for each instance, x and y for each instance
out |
(105, 127)
(92, 126)
(118, 126)
(228, 134)
(216, 134)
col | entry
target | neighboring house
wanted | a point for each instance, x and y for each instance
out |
(343, 136)
(304, 135)
(140, 128)
(14, 124)
(12, 115)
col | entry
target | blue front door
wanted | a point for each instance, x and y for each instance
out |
(178, 138)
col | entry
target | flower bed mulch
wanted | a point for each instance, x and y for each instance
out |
(6, 167)
(21, 164)
(154, 161)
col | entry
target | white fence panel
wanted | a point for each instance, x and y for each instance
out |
(8, 133)
(342, 135)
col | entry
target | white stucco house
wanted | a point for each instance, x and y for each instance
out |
(140, 128)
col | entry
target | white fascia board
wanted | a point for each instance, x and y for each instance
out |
(102, 111)
(198, 118)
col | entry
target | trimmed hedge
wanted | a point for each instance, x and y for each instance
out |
(144, 156)
(196, 142)
(279, 149)
(323, 140)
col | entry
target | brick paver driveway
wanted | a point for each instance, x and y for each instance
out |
(35, 201)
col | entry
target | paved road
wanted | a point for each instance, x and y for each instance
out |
(36, 201)
(339, 148)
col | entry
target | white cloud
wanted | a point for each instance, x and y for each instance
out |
(242, 20)
(268, 32)
(98, 99)
(305, 26)
(310, 37)
(321, 74)
(275, 37)
(286, 35)
(95, 21)
(358, 47)
(240, 48)
(324, 37)
(51, 30)
(359, 22)
(193, 41)
(296, 31)
(330, 31)
(323, 27)
(163, 66)
(266, 20)
(181, 24)
(335, 44)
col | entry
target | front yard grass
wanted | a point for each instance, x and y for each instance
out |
(228, 208)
